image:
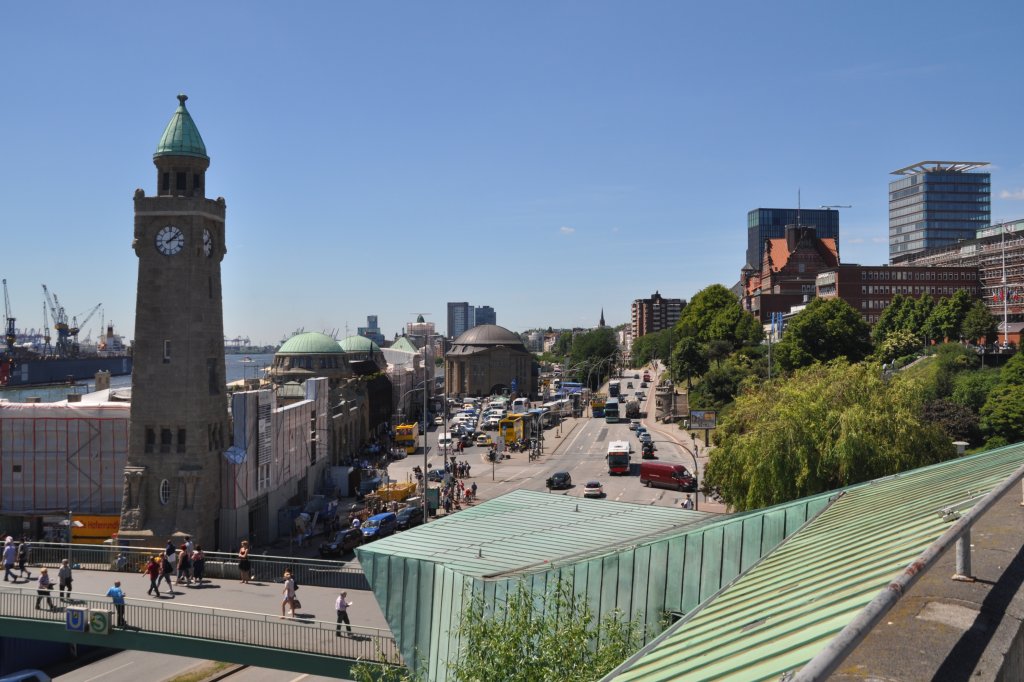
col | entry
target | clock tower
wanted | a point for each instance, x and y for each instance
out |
(179, 408)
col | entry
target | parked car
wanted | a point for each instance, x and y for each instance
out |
(593, 489)
(344, 540)
(560, 480)
(409, 517)
(379, 526)
(484, 440)
(435, 475)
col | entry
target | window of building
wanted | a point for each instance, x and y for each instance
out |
(181, 440)
(165, 491)
(165, 182)
(167, 351)
(211, 373)
(181, 181)
(165, 441)
(197, 181)
(150, 440)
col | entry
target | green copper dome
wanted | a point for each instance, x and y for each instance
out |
(181, 137)
(309, 343)
(359, 344)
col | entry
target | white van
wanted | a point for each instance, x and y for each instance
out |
(444, 441)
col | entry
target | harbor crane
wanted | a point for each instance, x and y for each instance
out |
(75, 327)
(60, 323)
(47, 348)
(10, 336)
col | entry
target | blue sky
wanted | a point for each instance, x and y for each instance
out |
(548, 159)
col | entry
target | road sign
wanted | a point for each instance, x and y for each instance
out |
(74, 619)
(99, 622)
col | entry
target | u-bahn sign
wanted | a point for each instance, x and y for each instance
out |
(75, 619)
(703, 419)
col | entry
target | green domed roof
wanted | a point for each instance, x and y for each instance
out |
(181, 137)
(359, 344)
(310, 343)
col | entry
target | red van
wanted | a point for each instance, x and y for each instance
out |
(667, 475)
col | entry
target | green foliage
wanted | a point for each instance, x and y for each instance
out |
(979, 324)
(654, 346)
(688, 360)
(595, 352)
(1003, 413)
(947, 317)
(1012, 373)
(715, 313)
(533, 638)
(563, 344)
(826, 329)
(718, 387)
(827, 426)
(894, 318)
(899, 343)
(971, 389)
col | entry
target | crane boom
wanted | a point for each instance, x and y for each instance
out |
(10, 337)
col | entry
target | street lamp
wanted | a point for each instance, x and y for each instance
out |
(422, 386)
(696, 478)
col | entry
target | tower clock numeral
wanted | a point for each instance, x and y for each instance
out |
(170, 240)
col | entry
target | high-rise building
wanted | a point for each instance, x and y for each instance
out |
(484, 314)
(649, 315)
(770, 223)
(935, 204)
(179, 416)
(371, 330)
(458, 318)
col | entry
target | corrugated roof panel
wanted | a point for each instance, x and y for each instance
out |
(781, 613)
(526, 530)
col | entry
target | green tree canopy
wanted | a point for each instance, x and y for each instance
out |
(715, 313)
(894, 318)
(688, 360)
(653, 346)
(971, 389)
(826, 329)
(827, 426)
(979, 324)
(595, 353)
(898, 343)
(1012, 373)
(947, 317)
(1002, 415)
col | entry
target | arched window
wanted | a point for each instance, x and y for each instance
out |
(165, 491)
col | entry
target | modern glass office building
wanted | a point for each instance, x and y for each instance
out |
(770, 223)
(935, 204)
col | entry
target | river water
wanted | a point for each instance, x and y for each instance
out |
(236, 367)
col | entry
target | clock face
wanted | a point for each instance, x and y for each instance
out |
(207, 243)
(169, 240)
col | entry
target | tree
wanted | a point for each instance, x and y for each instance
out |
(979, 324)
(1012, 373)
(892, 319)
(718, 387)
(527, 638)
(826, 329)
(718, 350)
(947, 317)
(688, 360)
(653, 346)
(715, 313)
(1002, 414)
(596, 351)
(563, 344)
(827, 426)
(971, 389)
(898, 343)
(957, 421)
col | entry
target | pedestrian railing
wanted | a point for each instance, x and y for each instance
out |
(305, 635)
(221, 565)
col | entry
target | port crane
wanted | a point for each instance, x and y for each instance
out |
(63, 348)
(47, 348)
(10, 336)
(76, 327)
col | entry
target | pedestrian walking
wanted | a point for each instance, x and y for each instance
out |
(244, 567)
(288, 598)
(45, 586)
(688, 503)
(341, 605)
(198, 565)
(166, 571)
(64, 578)
(152, 569)
(184, 565)
(9, 551)
(116, 595)
(23, 550)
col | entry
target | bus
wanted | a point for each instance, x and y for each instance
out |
(597, 402)
(405, 436)
(567, 387)
(520, 405)
(618, 457)
(611, 410)
(614, 387)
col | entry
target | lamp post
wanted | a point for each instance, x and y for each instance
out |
(696, 478)
(426, 466)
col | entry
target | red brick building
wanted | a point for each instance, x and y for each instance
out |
(787, 276)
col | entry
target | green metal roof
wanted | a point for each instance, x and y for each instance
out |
(527, 530)
(358, 344)
(181, 137)
(783, 611)
(402, 343)
(309, 343)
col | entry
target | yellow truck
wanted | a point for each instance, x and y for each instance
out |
(406, 435)
(510, 429)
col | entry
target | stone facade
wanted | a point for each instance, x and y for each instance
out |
(179, 419)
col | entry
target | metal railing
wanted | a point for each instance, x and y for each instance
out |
(219, 565)
(216, 624)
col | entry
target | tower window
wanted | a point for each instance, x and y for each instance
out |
(197, 181)
(181, 440)
(150, 440)
(165, 441)
(167, 351)
(165, 491)
(211, 371)
(165, 182)
(181, 181)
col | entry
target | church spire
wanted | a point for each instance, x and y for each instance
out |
(601, 323)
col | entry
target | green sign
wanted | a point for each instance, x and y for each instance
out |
(99, 622)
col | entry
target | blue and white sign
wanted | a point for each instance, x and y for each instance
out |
(74, 619)
(515, 384)
(99, 622)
